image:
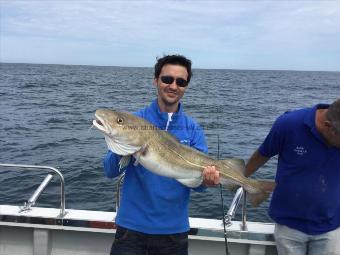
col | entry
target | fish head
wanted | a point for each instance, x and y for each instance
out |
(122, 130)
(108, 122)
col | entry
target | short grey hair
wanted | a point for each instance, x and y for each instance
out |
(333, 115)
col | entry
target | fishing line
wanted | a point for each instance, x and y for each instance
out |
(224, 226)
(90, 128)
(222, 203)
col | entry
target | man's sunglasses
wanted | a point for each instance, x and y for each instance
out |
(169, 80)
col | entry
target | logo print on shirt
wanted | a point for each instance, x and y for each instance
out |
(300, 150)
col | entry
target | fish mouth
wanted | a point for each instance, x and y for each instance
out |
(99, 124)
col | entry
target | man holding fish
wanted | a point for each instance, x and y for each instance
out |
(153, 213)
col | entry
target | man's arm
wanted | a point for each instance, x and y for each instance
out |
(271, 146)
(255, 162)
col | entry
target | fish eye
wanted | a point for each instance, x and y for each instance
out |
(120, 121)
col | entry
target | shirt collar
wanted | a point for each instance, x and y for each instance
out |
(164, 115)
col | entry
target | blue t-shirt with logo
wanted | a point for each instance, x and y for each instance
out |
(307, 195)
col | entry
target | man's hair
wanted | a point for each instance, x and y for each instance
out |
(173, 60)
(333, 115)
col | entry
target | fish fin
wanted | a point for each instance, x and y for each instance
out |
(191, 183)
(257, 198)
(119, 148)
(124, 161)
(233, 187)
(139, 153)
(267, 185)
(264, 189)
(235, 163)
(227, 183)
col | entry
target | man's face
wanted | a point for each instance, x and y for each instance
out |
(170, 94)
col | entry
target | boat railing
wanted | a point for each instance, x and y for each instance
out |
(34, 197)
(240, 193)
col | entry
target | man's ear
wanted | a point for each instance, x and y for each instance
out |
(155, 82)
(327, 124)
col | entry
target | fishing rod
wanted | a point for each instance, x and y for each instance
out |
(222, 203)
(224, 225)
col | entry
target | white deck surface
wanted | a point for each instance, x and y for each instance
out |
(25, 238)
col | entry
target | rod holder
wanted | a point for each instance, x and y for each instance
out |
(37, 193)
(233, 207)
(33, 199)
(240, 193)
(244, 213)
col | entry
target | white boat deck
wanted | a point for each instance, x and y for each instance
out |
(41, 232)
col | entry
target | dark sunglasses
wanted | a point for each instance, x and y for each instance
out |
(167, 79)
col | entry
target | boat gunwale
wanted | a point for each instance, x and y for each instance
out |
(100, 221)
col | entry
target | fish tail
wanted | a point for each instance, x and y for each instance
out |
(262, 190)
(257, 198)
(266, 186)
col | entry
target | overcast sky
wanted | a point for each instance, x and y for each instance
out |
(285, 35)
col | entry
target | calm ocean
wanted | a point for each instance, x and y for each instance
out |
(46, 112)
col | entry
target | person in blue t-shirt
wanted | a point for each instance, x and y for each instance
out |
(153, 213)
(305, 204)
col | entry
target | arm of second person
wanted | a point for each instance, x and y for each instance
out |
(255, 162)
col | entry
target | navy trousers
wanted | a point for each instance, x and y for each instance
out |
(129, 242)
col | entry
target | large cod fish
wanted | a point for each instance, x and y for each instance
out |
(159, 152)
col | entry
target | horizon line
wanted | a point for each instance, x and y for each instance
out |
(197, 68)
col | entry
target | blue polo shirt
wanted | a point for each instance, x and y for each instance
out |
(307, 195)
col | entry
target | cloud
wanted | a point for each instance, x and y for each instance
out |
(217, 33)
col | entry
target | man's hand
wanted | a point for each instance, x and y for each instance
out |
(211, 176)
